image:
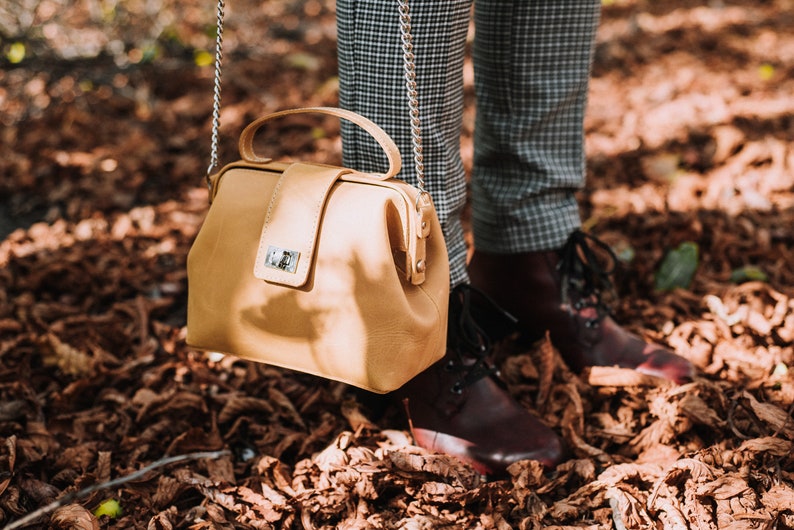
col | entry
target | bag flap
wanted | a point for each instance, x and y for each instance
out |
(289, 234)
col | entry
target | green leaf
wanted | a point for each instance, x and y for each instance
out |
(16, 53)
(203, 58)
(766, 72)
(109, 507)
(303, 61)
(748, 273)
(678, 267)
(150, 52)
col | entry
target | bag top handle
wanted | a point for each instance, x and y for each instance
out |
(384, 140)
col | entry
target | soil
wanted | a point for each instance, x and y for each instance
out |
(106, 111)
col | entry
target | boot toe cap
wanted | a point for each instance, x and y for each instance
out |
(660, 362)
(493, 459)
(548, 451)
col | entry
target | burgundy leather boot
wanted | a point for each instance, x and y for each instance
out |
(459, 407)
(564, 292)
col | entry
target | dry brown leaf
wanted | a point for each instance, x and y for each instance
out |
(271, 508)
(669, 512)
(417, 522)
(519, 366)
(775, 417)
(74, 517)
(627, 511)
(696, 409)
(239, 404)
(7, 462)
(351, 410)
(274, 469)
(767, 446)
(662, 167)
(579, 527)
(547, 361)
(527, 474)
(695, 469)
(71, 360)
(220, 470)
(437, 492)
(659, 431)
(285, 404)
(723, 487)
(659, 454)
(620, 377)
(582, 448)
(164, 520)
(573, 419)
(334, 456)
(579, 471)
(103, 466)
(144, 397)
(168, 489)
(778, 498)
(417, 460)
(195, 439)
(176, 403)
(586, 498)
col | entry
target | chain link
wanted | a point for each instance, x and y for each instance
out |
(409, 65)
(216, 96)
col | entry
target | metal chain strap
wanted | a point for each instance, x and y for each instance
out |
(409, 66)
(216, 95)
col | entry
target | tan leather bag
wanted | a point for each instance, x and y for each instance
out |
(320, 269)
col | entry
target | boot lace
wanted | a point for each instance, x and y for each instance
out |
(467, 339)
(585, 266)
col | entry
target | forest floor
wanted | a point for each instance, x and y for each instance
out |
(105, 111)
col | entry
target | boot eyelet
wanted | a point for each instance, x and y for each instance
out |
(457, 388)
(449, 366)
(592, 323)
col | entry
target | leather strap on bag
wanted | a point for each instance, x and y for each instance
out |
(289, 235)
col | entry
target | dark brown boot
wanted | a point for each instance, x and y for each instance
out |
(564, 292)
(459, 407)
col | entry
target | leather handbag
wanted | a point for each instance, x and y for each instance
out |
(321, 269)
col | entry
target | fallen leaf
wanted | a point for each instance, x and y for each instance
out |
(74, 517)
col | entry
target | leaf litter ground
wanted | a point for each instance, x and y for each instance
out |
(689, 140)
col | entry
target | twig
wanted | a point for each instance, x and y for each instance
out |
(66, 499)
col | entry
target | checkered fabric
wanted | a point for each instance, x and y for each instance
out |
(532, 64)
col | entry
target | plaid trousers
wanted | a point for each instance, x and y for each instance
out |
(532, 61)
